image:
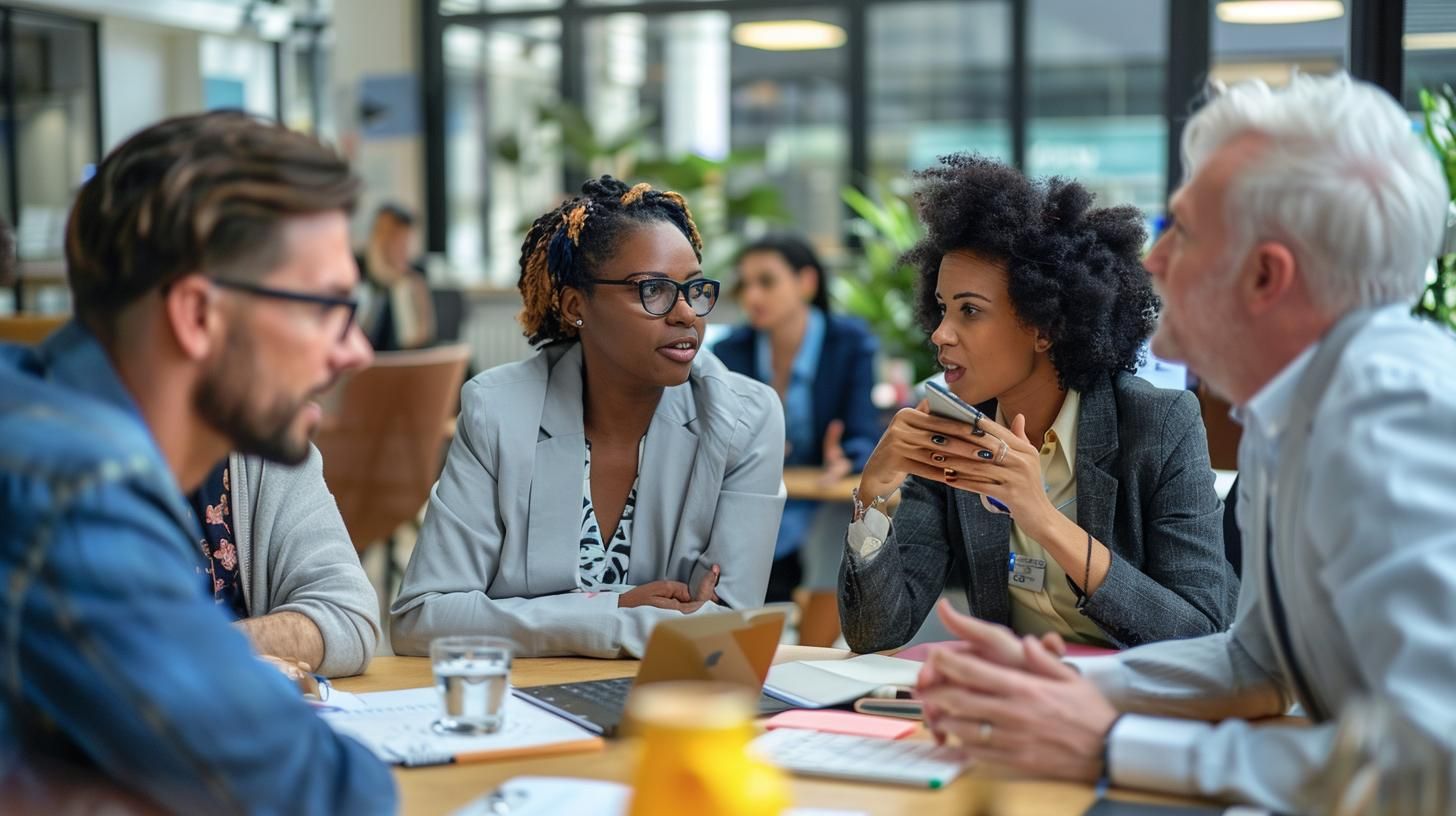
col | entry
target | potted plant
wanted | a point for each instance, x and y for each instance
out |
(1438, 301)
(877, 287)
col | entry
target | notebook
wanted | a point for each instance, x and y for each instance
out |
(830, 683)
(396, 727)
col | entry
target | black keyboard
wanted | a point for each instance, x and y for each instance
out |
(605, 693)
(598, 704)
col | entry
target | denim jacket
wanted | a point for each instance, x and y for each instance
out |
(109, 650)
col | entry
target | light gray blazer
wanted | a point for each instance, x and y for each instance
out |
(498, 552)
(1144, 489)
(294, 555)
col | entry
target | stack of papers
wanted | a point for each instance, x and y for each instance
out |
(397, 727)
(551, 796)
(829, 683)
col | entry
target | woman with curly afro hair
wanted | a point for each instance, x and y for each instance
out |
(1105, 530)
(616, 478)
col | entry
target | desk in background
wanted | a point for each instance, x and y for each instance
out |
(443, 789)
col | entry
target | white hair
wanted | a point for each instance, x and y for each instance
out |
(1345, 183)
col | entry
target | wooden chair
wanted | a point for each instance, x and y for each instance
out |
(29, 329)
(382, 439)
(1223, 432)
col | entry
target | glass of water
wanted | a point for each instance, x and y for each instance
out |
(473, 676)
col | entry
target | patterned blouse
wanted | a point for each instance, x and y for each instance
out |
(212, 505)
(602, 566)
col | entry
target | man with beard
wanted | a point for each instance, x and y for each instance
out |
(210, 269)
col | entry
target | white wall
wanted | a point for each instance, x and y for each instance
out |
(377, 38)
(148, 72)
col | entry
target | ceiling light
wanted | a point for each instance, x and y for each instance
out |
(789, 35)
(1430, 41)
(1271, 12)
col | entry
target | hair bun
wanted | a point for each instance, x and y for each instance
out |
(604, 187)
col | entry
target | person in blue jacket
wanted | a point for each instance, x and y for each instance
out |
(209, 265)
(822, 366)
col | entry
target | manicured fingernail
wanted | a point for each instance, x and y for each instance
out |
(985, 454)
(938, 439)
(977, 432)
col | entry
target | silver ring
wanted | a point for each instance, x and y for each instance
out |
(1001, 454)
(984, 734)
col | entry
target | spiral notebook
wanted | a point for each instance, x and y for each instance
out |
(396, 727)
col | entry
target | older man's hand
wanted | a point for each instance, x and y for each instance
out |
(1016, 706)
(991, 641)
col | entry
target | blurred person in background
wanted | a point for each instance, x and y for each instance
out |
(820, 364)
(616, 478)
(1039, 306)
(395, 309)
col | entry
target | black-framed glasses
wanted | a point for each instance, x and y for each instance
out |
(659, 295)
(327, 302)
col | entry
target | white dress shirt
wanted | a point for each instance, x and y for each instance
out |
(1368, 586)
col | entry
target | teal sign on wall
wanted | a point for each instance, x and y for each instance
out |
(1132, 148)
(223, 93)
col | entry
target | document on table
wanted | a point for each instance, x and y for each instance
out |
(397, 727)
(553, 795)
(827, 683)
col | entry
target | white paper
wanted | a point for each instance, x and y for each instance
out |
(554, 795)
(396, 726)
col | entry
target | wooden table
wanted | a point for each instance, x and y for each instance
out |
(443, 789)
(804, 483)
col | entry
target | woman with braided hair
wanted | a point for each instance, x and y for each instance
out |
(1106, 530)
(617, 477)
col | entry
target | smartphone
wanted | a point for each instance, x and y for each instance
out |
(945, 404)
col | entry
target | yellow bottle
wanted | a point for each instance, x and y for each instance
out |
(694, 754)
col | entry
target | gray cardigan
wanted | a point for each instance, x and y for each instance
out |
(1144, 489)
(295, 555)
(498, 551)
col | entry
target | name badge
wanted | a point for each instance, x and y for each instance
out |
(1026, 573)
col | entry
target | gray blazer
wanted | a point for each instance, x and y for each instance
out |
(498, 551)
(1144, 489)
(294, 555)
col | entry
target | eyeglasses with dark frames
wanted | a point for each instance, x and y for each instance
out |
(328, 302)
(660, 295)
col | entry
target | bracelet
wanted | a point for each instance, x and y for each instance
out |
(1087, 570)
(859, 507)
(1086, 593)
(1107, 750)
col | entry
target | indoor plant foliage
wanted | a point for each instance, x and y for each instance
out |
(876, 286)
(1438, 301)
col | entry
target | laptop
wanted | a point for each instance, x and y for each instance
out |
(728, 647)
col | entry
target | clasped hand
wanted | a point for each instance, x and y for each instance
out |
(1012, 701)
(990, 459)
(673, 594)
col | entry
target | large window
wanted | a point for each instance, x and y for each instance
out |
(813, 96)
(51, 144)
(503, 153)
(1430, 48)
(938, 84)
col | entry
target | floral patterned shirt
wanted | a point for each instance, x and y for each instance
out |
(212, 504)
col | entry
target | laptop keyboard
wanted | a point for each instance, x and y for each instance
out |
(606, 693)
